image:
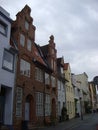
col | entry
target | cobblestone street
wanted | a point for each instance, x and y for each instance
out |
(89, 121)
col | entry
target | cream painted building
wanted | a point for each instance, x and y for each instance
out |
(83, 79)
(93, 95)
(70, 104)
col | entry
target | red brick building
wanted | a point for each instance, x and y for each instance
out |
(36, 78)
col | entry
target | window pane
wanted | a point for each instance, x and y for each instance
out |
(47, 80)
(53, 81)
(3, 28)
(47, 105)
(26, 25)
(22, 40)
(39, 74)
(25, 68)
(29, 45)
(39, 104)
(8, 60)
(19, 101)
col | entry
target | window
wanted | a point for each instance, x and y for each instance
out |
(39, 104)
(59, 85)
(61, 70)
(19, 101)
(53, 81)
(54, 67)
(38, 74)
(68, 107)
(63, 85)
(59, 108)
(26, 25)
(8, 60)
(52, 51)
(47, 79)
(3, 28)
(25, 68)
(29, 43)
(47, 105)
(52, 63)
(22, 40)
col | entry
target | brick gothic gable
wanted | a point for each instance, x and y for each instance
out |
(32, 65)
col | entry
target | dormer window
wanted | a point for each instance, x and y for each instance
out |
(26, 25)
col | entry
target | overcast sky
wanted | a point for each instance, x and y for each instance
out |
(74, 24)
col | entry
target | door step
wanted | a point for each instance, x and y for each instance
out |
(3, 127)
(31, 125)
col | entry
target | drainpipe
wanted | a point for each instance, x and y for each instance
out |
(44, 100)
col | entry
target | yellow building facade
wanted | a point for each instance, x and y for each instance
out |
(70, 104)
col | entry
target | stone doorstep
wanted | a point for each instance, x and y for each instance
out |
(33, 126)
(3, 127)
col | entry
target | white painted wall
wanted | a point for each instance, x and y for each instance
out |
(61, 97)
(6, 78)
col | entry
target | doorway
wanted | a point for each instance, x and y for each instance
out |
(2, 102)
(29, 108)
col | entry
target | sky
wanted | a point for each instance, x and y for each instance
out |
(74, 24)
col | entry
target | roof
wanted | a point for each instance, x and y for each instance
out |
(44, 49)
(66, 66)
(38, 54)
(60, 61)
(40, 58)
(5, 14)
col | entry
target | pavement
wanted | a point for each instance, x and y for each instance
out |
(67, 125)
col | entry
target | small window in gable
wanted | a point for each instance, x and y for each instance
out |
(29, 44)
(22, 40)
(26, 25)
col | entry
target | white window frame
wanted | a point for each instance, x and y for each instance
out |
(3, 28)
(39, 104)
(19, 93)
(8, 64)
(24, 68)
(47, 105)
(38, 74)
